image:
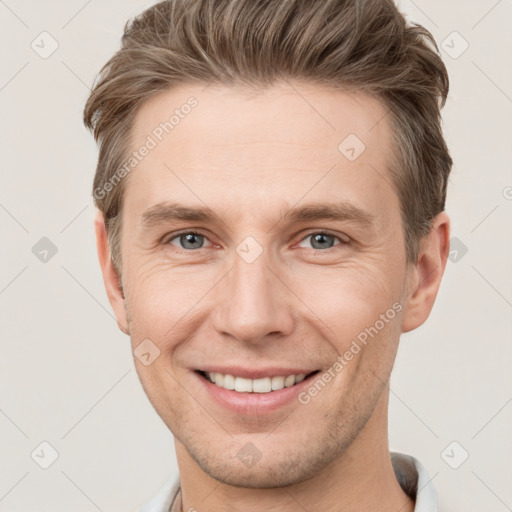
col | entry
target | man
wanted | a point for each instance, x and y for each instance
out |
(271, 187)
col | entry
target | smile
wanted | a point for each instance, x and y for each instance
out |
(262, 385)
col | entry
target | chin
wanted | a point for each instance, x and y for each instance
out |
(268, 468)
(273, 475)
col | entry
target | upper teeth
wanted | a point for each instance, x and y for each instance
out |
(264, 385)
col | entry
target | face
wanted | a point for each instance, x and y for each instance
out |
(254, 247)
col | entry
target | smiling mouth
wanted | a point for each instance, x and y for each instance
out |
(263, 385)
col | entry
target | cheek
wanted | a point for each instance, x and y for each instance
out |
(357, 310)
(163, 391)
(351, 297)
(162, 300)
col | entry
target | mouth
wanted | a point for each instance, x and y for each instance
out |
(254, 386)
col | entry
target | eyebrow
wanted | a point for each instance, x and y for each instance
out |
(331, 211)
(166, 211)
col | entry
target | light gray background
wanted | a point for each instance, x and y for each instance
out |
(67, 374)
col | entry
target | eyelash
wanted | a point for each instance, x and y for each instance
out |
(167, 240)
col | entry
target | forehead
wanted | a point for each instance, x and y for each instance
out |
(277, 143)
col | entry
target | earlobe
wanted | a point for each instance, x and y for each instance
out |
(110, 277)
(426, 274)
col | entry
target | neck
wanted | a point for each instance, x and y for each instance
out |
(361, 478)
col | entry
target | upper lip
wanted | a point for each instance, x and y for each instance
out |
(256, 373)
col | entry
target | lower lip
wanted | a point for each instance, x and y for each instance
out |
(254, 403)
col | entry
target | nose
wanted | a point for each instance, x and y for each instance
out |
(254, 302)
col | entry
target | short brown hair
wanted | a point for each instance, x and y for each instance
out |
(359, 45)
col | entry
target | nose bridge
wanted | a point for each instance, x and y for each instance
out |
(254, 303)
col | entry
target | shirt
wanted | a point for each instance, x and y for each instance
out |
(411, 475)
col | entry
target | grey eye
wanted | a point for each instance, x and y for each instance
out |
(321, 240)
(189, 241)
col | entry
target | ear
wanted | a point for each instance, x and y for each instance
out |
(425, 275)
(110, 277)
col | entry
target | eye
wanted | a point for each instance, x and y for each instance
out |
(188, 240)
(324, 240)
(191, 240)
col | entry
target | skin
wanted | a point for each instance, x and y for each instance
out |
(250, 158)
